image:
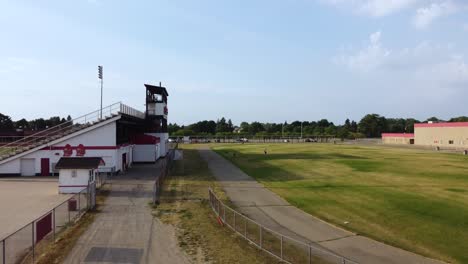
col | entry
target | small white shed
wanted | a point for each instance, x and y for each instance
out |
(76, 173)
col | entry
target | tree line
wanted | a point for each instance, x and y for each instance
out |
(7, 124)
(370, 126)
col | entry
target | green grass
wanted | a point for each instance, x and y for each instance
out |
(413, 199)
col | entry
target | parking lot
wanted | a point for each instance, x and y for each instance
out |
(24, 199)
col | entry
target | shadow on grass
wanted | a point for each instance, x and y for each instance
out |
(264, 170)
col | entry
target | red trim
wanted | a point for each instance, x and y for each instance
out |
(402, 135)
(86, 147)
(445, 124)
(73, 185)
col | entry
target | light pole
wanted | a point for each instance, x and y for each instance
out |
(100, 77)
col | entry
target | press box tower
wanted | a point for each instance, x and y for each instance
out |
(156, 114)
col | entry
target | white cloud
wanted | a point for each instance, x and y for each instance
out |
(427, 67)
(374, 8)
(368, 58)
(426, 15)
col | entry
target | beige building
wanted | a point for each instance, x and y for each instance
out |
(448, 134)
(398, 138)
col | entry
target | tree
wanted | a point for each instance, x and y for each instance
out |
(372, 125)
(347, 124)
(244, 127)
(230, 126)
(222, 126)
(354, 126)
(459, 119)
(409, 123)
(5, 122)
(434, 119)
(22, 124)
(255, 128)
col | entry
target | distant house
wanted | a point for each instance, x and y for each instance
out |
(398, 138)
(75, 174)
(443, 134)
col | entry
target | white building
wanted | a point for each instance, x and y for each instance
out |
(110, 135)
(77, 173)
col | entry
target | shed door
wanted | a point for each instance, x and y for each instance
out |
(28, 167)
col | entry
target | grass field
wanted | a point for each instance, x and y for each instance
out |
(414, 199)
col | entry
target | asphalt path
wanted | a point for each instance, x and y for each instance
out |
(125, 231)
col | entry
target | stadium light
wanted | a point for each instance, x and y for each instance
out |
(100, 76)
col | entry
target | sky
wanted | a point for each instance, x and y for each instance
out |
(258, 60)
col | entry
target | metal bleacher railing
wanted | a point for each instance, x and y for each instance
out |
(284, 248)
(50, 134)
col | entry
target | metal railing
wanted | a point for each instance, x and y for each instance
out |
(282, 247)
(125, 109)
(27, 243)
(45, 136)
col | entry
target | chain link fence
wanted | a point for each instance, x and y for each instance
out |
(30, 241)
(166, 165)
(284, 248)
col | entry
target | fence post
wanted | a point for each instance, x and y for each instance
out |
(53, 214)
(235, 221)
(261, 237)
(224, 213)
(79, 204)
(4, 251)
(68, 207)
(310, 255)
(281, 247)
(33, 245)
(245, 227)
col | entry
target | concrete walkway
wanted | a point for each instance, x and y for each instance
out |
(264, 206)
(125, 231)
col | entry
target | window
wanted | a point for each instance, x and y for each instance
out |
(73, 173)
(451, 142)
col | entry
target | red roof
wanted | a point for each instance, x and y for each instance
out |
(444, 124)
(402, 135)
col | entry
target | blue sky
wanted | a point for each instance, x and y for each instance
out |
(267, 61)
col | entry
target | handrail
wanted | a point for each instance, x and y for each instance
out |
(216, 203)
(83, 121)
